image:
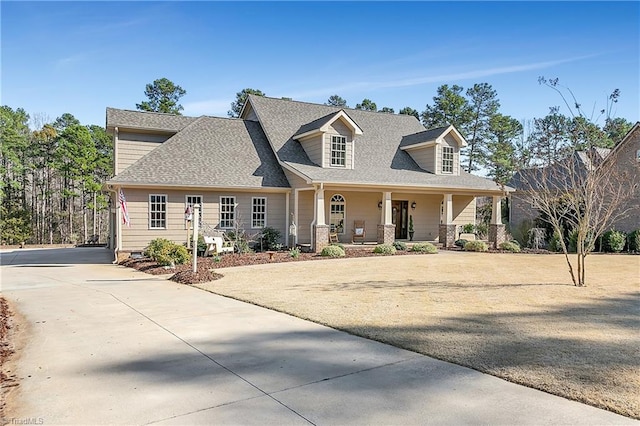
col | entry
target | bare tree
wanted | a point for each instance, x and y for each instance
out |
(583, 194)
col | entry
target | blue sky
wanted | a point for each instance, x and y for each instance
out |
(81, 57)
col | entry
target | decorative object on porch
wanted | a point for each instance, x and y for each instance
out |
(413, 205)
(359, 232)
(333, 236)
(411, 230)
(379, 205)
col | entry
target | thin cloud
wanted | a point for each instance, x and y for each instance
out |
(442, 78)
(69, 61)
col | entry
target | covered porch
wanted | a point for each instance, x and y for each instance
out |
(328, 213)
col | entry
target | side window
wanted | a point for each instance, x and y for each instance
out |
(157, 211)
(227, 212)
(258, 212)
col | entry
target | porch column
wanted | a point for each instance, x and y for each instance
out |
(321, 229)
(497, 234)
(386, 228)
(447, 229)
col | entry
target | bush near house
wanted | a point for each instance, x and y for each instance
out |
(633, 241)
(166, 252)
(613, 241)
(270, 239)
(332, 251)
(400, 245)
(509, 246)
(384, 249)
(476, 246)
(460, 243)
(424, 248)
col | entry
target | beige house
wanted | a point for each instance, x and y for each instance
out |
(307, 170)
(625, 155)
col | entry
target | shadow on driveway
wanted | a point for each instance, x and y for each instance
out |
(57, 257)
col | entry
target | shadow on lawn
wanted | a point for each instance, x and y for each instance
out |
(591, 368)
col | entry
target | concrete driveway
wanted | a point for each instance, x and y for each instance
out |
(109, 345)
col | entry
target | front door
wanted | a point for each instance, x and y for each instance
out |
(399, 215)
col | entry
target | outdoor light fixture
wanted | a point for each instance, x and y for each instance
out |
(380, 205)
(413, 205)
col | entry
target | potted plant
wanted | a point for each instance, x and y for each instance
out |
(411, 230)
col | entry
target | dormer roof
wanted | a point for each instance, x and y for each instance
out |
(321, 125)
(431, 137)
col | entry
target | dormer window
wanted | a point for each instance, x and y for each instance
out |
(338, 151)
(447, 159)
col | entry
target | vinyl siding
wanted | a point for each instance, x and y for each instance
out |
(133, 146)
(424, 157)
(139, 235)
(464, 209)
(305, 216)
(313, 148)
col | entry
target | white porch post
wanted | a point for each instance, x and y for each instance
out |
(448, 209)
(496, 213)
(320, 219)
(321, 229)
(387, 218)
(497, 234)
(386, 228)
(447, 229)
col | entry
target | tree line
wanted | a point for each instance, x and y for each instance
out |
(52, 170)
(51, 177)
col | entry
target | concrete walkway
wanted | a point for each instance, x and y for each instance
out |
(109, 345)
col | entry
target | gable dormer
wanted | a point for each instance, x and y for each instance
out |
(437, 150)
(328, 141)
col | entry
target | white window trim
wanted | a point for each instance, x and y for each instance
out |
(331, 150)
(166, 211)
(186, 203)
(453, 161)
(235, 205)
(344, 219)
(265, 212)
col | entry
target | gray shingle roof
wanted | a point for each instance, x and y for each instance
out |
(378, 158)
(146, 120)
(216, 152)
(424, 136)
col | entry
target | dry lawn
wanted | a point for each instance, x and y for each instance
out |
(515, 316)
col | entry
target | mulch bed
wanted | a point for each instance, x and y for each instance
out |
(206, 265)
(6, 350)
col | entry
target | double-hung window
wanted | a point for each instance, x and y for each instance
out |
(227, 212)
(338, 151)
(157, 211)
(447, 159)
(258, 212)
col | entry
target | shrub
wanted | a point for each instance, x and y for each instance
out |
(522, 231)
(460, 243)
(179, 254)
(270, 239)
(482, 230)
(554, 243)
(613, 241)
(332, 251)
(424, 248)
(633, 241)
(338, 245)
(476, 246)
(384, 249)
(166, 252)
(400, 245)
(294, 252)
(202, 246)
(509, 246)
(469, 228)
